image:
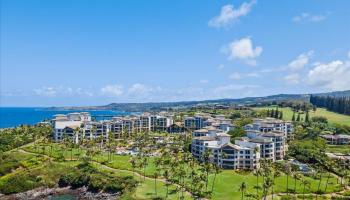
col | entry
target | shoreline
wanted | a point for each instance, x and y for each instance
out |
(50, 193)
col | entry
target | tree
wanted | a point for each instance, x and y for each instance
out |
(242, 189)
(293, 118)
(217, 170)
(257, 187)
(307, 116)
(298, 118)
(306, 184)
(287, 171)
(281, 115)
(157, 163)
(133, 164)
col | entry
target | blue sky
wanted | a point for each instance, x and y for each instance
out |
(61, 53)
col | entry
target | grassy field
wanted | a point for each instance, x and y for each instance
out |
(331, 116)
(345, 149)
(226, 185)
(38, 171)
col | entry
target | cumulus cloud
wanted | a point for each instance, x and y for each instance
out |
(235, 76)
(229, 14)
(292, 79)
(112, 90)
(243, 49)
(333, 75)
(300, 61)
(142, 90)
(309, 17)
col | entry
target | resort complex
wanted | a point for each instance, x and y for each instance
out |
(76, 126)
(265, 138)
(245, 152)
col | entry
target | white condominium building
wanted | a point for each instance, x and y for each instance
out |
(76, 126)
(273, 142)
(223, 153)
(271, 124)
(202, 120)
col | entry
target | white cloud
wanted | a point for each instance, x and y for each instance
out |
(46, 91)
(142, 90)
(221, 66)
(309, 17)
(229, 14)
(243, 49)
(300, 61)
(112, 90)
(253, 74)
(235, 76)
(333, 75)
(53, 91)
(292, 79)
(203, 81)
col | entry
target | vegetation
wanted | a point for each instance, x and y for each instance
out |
(87, 175)
(333, 118)
(15, 137)
(336, 104)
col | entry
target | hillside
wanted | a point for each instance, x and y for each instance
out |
(153, 106)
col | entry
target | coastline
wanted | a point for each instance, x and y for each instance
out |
(56, 192)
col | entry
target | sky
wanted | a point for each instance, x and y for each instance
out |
(90, 52)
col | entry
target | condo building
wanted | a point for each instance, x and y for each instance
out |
(271, 124)
(340, 139)
(201, 120)
(75, 126)
(241, 155)
(245, 153)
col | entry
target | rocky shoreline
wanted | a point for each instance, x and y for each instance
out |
(50, 193)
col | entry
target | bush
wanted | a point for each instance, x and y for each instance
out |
(19, 182)
(96, 181)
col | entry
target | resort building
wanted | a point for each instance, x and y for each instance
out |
(271, 124)
(202, 120)
(261, 142)
(241, 155)
(336, 139)
(75, 126)
(273, 142)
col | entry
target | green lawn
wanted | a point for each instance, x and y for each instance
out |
(226, 185)
(331, 116)
(228, 182)
(345, 149)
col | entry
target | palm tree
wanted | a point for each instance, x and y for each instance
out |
(242, 189)
(166, 176)
(206, 163)
(133, 164)
(217, 170)
(157, 163)
(296, 176)
(257, 173)
(306, 184)
(288, 172)
(76, 135)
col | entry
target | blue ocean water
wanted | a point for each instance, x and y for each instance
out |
(11, 116)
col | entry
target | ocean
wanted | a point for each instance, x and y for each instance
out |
(15, 116)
